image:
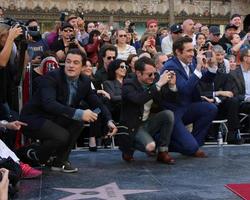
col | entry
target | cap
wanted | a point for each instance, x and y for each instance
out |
(214, 30)
(228, 26)
(150, 21)
(235, 15)
(176, 28)
(66, 25)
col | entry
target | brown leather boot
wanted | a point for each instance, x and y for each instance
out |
(200, 154)
(127, 157)
(164, 157)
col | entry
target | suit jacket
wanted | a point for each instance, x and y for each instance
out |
(114, 88)
(134, 96)
(187, 86)
(50, 100)
(238, 85)
(222, 82)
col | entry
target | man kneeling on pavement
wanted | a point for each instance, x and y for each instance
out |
(140, 96)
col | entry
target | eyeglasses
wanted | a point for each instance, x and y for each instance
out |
(122, 35)
(68, 30)
(151, 74)
(153, 26)
(123, 66)
(163, 63)
(110, 57)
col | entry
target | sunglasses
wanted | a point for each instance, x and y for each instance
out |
(151, 74)
(68, 30)
(122, 35)
(163, 63)
(123, 66)
(110, 57)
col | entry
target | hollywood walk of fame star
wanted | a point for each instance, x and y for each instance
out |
(109, 191)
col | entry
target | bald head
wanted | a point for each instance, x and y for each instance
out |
(188, 27)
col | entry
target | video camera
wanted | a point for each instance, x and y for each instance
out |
(13, 22)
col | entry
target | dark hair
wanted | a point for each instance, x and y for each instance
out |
(78, 52)
(108, 47)
(92, 34)
(141, 62)
(31, 20)
(244, 52)
(113, 66)
(235, 15)
(130, 58)
(198, 34)
(179, 43)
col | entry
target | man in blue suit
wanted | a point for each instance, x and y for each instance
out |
(190, 109)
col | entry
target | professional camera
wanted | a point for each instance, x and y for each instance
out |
(13, 22)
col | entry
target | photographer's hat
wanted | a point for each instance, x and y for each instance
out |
(66, 25)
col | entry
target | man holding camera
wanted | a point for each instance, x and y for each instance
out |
(141, 97)
(190, 109)
(67, 41)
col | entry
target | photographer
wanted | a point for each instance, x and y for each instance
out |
(68, 41)
(36, 44)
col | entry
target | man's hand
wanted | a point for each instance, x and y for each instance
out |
(164, 78)
(224, 93)
(89, 116)
(201, 60)
(16, 125)
(207, 99)
(4, 184)
(104, 93)
(172, 81)
(112, 128)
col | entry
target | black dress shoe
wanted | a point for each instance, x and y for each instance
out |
(93, 148)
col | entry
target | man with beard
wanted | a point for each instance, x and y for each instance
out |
(225, 41)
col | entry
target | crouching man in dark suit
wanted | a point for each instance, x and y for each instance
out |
(139, 95)
(53, 114)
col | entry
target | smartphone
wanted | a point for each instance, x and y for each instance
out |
(97, 111)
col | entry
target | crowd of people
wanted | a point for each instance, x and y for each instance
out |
(152, 86)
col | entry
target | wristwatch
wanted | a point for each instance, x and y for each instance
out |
(4, 124)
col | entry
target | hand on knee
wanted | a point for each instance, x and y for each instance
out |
(150, 147)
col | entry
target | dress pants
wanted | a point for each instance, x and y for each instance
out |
(162, 124)
(56, 139)
(200, 114)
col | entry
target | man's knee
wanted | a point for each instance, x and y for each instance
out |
(150, 147)
(167, 115)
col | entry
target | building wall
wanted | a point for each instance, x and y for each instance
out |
(206, 12)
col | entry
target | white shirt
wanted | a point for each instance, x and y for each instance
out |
(123, 55)
(167, 45)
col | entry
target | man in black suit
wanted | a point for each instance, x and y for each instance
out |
(220, 93)
(241, 79)
(53, 114)
(139, 96)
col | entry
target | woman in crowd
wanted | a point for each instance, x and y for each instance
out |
(96, 128)
(124, 49)
(200, 41)
(117, 71)
(93, 47)
(131, 64)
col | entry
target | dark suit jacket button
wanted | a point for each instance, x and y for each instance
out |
(132, 129)
(140, 118)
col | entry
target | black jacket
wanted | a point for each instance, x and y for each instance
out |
(50, 100)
